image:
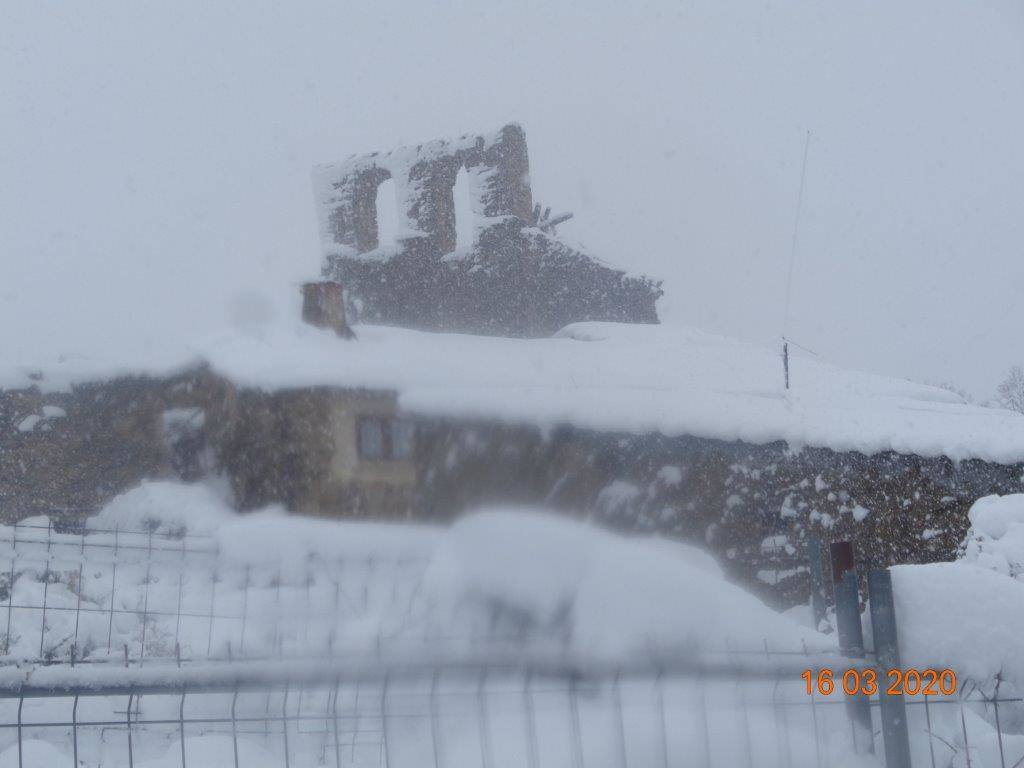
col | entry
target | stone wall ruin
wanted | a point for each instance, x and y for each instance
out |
(516, 279)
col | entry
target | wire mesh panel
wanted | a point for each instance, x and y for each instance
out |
(553, 711)
(87, 595)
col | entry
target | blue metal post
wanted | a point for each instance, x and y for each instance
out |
(851, 636)
(883, 629)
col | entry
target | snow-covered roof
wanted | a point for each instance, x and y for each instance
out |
(631, 378)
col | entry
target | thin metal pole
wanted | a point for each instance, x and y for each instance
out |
(21, 703)
(284, 726)
(334, 718)
(745, 722)
(780, 725)
(963, 725)
(532, 746)
(128, 723)
(145, 600)
(785, 362)
(234, 726)
(435, 720)
(74, 728)
(10, 603)
(484, 721)
(245, 612)
(78, 609)
(177, 614)
(307, 616)
(46, 589)
(814, 722)
(999, 729)
(113, 589)
(213, 600)
(931, 737)
(181, 726)
(574, 724)
(659, 687)
(620, 720)
(796, 232)
(384, 722)
(704, 719)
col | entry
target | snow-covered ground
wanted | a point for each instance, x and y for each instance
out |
(665, 379)
(271, 584)
(329, 602)
(323, 599)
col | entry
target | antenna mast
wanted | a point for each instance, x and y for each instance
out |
(792, 261)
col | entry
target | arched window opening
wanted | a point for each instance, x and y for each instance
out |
(465, 227)
(387, 214)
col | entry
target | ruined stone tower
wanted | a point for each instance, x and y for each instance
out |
(516, 279)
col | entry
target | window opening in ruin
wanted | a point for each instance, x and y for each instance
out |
(387, 214)
(464, 224)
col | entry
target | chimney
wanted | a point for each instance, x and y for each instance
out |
(323, 305)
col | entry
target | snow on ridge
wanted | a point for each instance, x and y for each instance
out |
(617, 377)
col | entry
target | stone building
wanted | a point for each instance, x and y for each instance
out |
(67, 447)
(326, 450)
(644, 428)
(517, 278)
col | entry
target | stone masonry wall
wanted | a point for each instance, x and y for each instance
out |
(515, 280)
(754, 506)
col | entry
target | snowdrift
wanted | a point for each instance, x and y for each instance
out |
(511, 573)
(603, 594)
(969, 614)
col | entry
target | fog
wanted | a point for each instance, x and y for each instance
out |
(155, 160)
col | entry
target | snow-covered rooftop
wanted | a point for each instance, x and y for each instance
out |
(632, 378)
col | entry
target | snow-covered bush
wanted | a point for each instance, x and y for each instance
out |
(164, 506)
(996, 537)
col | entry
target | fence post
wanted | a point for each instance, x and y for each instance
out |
(887, 652)
(851, 636)
(817, 580)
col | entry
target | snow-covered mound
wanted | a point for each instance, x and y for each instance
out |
(638, 378)
(508, 574)
(163, 506)
(996, 537)
(969, 614)
(603, 594)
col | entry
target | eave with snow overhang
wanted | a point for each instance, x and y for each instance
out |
(608, 377)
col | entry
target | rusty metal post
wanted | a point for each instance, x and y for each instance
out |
(851, 635)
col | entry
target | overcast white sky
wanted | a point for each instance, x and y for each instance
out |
(154, 158)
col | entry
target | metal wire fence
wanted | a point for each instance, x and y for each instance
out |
(488, 711)
(455, 712)
(87, 595)
(151, 648)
